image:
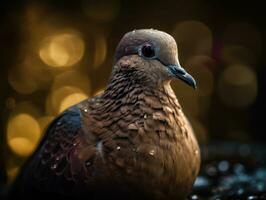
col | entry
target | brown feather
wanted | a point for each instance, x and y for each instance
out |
(134, 137)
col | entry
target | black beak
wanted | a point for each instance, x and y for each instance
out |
(180, 73)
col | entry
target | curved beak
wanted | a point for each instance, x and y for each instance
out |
(181, 73)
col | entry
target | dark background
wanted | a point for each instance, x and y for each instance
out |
(56, 53)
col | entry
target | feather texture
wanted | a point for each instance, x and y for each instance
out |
(131, 141)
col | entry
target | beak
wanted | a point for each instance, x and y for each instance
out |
(181, 73)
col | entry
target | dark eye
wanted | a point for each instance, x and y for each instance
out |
(147, 51)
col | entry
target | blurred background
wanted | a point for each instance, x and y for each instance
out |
(54, 54)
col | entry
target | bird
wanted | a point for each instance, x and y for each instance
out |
(132, 141)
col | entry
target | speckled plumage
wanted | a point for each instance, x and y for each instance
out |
(131, 142)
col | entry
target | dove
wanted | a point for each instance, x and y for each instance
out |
(133, 141)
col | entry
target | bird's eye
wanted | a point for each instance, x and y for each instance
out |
(147, 51)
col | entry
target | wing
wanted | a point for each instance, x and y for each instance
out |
(60, 162)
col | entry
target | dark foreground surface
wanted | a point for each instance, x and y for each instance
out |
(231, 171)
(228, 171)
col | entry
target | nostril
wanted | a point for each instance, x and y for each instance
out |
(181, 71)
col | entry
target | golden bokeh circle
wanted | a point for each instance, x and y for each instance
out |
(23, 133)
(64, 97)
(72, 78)
(21, 146)
(71, 100)
(62, 50)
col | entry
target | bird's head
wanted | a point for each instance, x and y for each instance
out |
(152, 54)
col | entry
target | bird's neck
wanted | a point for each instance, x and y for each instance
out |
(122, 86)
(126, 103)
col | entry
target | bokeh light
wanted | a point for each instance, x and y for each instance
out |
(21, 146)
(62, 50)
(74, 79)
(23, 133)
(64, 97)
(238, 86)
(72, 99)
(58, 54)
(98, 92)
(65, 84)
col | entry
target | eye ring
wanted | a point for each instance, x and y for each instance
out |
(147, 51)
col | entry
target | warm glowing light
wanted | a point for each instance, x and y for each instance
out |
(238, 86)
(62, 50)
(100, 51)
(54, 102)
(194, 38)
(64, 85)
(73, 79)
(56, 97)
(98, 92)
(23, 133)
(21, 146)
(72, 99)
